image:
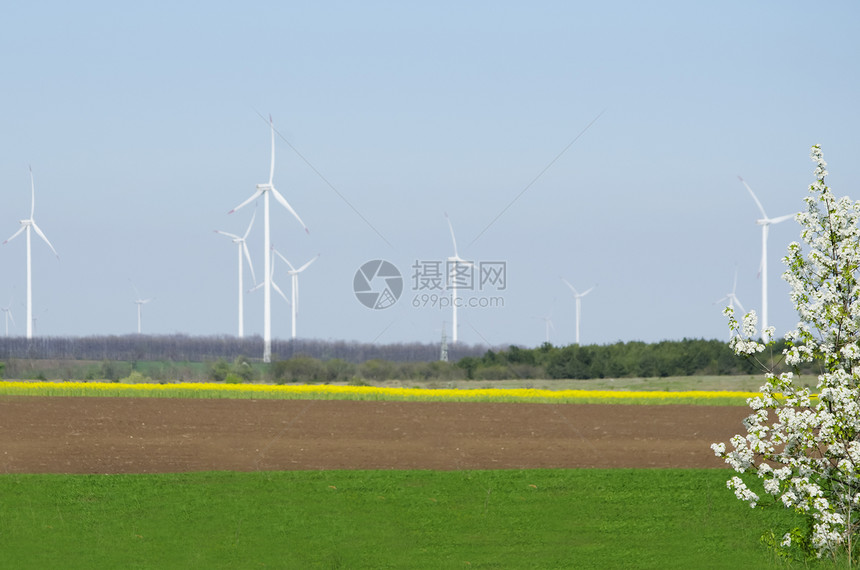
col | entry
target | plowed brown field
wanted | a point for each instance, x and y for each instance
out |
(150, 435)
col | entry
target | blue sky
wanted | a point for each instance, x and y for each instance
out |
(143, 128)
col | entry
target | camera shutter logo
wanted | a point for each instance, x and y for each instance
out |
(377, 284)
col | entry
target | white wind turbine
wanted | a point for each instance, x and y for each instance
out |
(294, 274)
(454, 262)
(139, 302)
(264, 190)
(26, 226)
(765, 224)
(732, 298)
(8, 315)
(243, 251)
(548, 324)
(578, 297)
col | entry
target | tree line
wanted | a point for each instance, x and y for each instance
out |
(184, 348)
(635, 359)
(183, 358)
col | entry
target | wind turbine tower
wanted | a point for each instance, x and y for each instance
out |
(265, 190)
(765, 224)
(26, 226)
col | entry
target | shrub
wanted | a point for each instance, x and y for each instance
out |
(136, 378)
(299, 368)
(233, 378)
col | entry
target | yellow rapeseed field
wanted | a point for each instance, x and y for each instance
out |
(330, 392)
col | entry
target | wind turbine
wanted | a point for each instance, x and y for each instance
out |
(548, 324)
(765, 224)
(294, 274)
(139, 302)
(8, 315)
(243, 251)
(26, 226)
(732, 298)
(264, 190)
(453, 262)
(578, 297)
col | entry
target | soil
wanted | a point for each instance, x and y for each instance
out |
(150, 435)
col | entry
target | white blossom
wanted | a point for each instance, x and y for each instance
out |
(807, 452)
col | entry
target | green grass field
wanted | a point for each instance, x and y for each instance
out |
(389, 519)
(383, 519)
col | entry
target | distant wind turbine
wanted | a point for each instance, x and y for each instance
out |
(732, 298)
(26, 226)
(548, 324)
(294, 274)
(139, 302)
(8, 315)
(243, 252)
(264, 190)
(454, 262)
(765, 224)
(578, 297)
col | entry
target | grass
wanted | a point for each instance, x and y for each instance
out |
(383, 519)
(374, 393)
(736, 383)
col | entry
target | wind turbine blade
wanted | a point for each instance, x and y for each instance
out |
(781, 218)
(255, 287)
(305, 266)
(285, 204)
(42, 235)
(760, 207)
(743, 311)
(281, 293)
(21, 229)
(587, 292)
(572, 288)
(32, 194)
(272, 164)
(287, 261)
(253, 197)
(248, 258)
(254, 215)
(229, 235)
(453, 239)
